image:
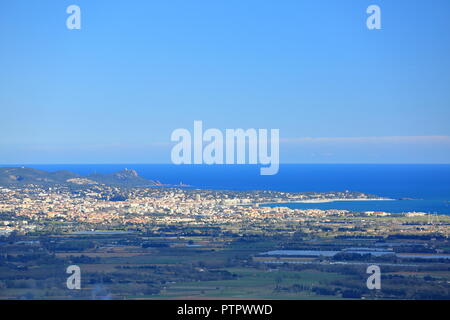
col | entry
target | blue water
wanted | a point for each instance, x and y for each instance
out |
(429, 184)
(427, 206)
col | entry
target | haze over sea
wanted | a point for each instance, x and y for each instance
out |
(429, 185)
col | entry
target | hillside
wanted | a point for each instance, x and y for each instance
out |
(26, 176)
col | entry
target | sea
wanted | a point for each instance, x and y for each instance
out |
(427, 185)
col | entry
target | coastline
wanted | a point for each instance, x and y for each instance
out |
(324, 201)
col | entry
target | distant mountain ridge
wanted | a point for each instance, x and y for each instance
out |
(25, 175)
(126, 176)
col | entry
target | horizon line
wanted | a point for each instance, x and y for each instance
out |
(209, 165)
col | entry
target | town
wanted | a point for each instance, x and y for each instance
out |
(80, 208)
(157, 242)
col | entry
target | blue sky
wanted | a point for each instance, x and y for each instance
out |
(114, 91)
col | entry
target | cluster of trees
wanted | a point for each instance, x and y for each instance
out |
(71, 245)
